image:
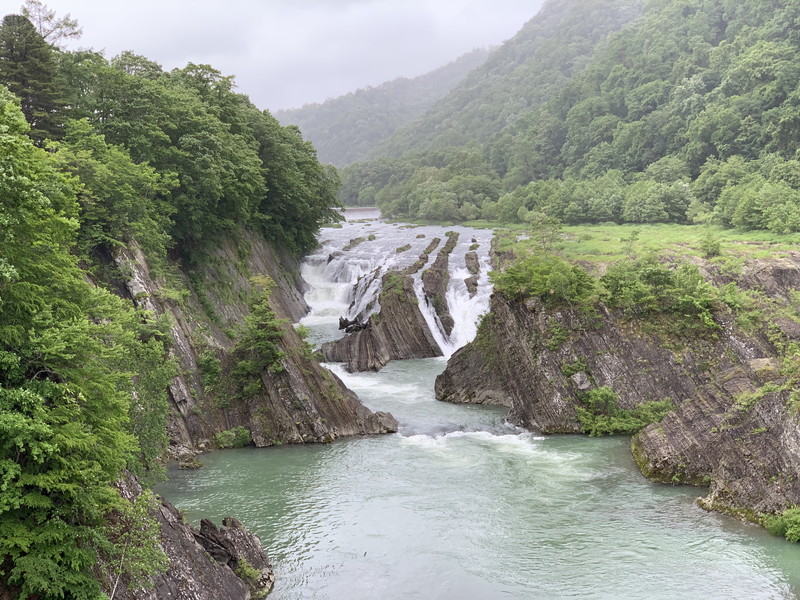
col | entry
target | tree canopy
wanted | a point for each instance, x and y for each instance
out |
(688, 113)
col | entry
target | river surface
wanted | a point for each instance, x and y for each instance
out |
(460, 505)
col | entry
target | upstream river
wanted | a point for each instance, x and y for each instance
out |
(460, 505)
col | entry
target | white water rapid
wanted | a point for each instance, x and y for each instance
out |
(345, 273)
(460, 505)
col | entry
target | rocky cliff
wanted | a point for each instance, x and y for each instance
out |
(206, 564)
(302, 403)
(735, 424)
(399, 330)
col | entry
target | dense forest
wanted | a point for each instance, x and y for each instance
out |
(349, 128)
(629, 111)
(96, 154)
(686, 113)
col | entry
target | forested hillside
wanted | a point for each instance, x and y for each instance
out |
(95, 154)
(519, 76)
(349, 128)
(687, 114)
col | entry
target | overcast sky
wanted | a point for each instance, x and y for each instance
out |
(286, 53)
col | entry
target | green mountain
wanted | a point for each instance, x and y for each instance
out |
(686, 113)
(523, 73)
(348, 128)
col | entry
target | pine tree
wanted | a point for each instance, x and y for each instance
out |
(28, 68)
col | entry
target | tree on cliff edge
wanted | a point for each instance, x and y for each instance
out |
(28, 69)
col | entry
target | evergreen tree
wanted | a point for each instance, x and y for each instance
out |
(28, 68)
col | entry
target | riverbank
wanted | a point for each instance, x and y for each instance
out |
(461, 505)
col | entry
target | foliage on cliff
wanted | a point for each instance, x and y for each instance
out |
(641, 287)
(68, 350)
(644, 286)
(599, 413)
(257, 349)
(93, 155)
(686, 114)
(549, 278)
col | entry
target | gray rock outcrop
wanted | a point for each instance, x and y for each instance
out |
(473, 265)
(735, 426)
(435, 281)
(398, 331)
(207, 564)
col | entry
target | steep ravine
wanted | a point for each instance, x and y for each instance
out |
(303, 403)
(728, 432)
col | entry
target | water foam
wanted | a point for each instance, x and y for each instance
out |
(347, 282)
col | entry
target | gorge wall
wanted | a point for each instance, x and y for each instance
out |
(303, 403)
(735, 424)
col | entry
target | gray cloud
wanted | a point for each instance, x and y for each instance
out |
(285, 53)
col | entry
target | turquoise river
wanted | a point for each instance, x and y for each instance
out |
(460, 505)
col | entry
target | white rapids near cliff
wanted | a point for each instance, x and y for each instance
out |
(345, 274)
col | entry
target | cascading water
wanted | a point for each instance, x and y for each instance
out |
(345, 274)
(459, 505)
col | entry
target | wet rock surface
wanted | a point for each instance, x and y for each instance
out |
(398, 331)
(211, 563)
(734, 428)
(435, 281)
(472, 262)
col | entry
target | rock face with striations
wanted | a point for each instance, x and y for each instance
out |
(435, 281)
(398, 331)
(735, 427)
(207, 564)
(302, 403)
(473, 264)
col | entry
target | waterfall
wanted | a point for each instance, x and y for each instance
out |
(345, 273)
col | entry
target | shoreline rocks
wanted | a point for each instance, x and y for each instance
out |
(734, 429)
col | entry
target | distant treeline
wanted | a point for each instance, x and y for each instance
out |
(687, 113)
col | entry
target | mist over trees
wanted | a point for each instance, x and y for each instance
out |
(685, 114)
(349, 128)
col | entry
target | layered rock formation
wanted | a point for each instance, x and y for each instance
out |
(435, 281)
(206, 564)
(473, 264)
(303, 403)
(735, 426)
(399, 330)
